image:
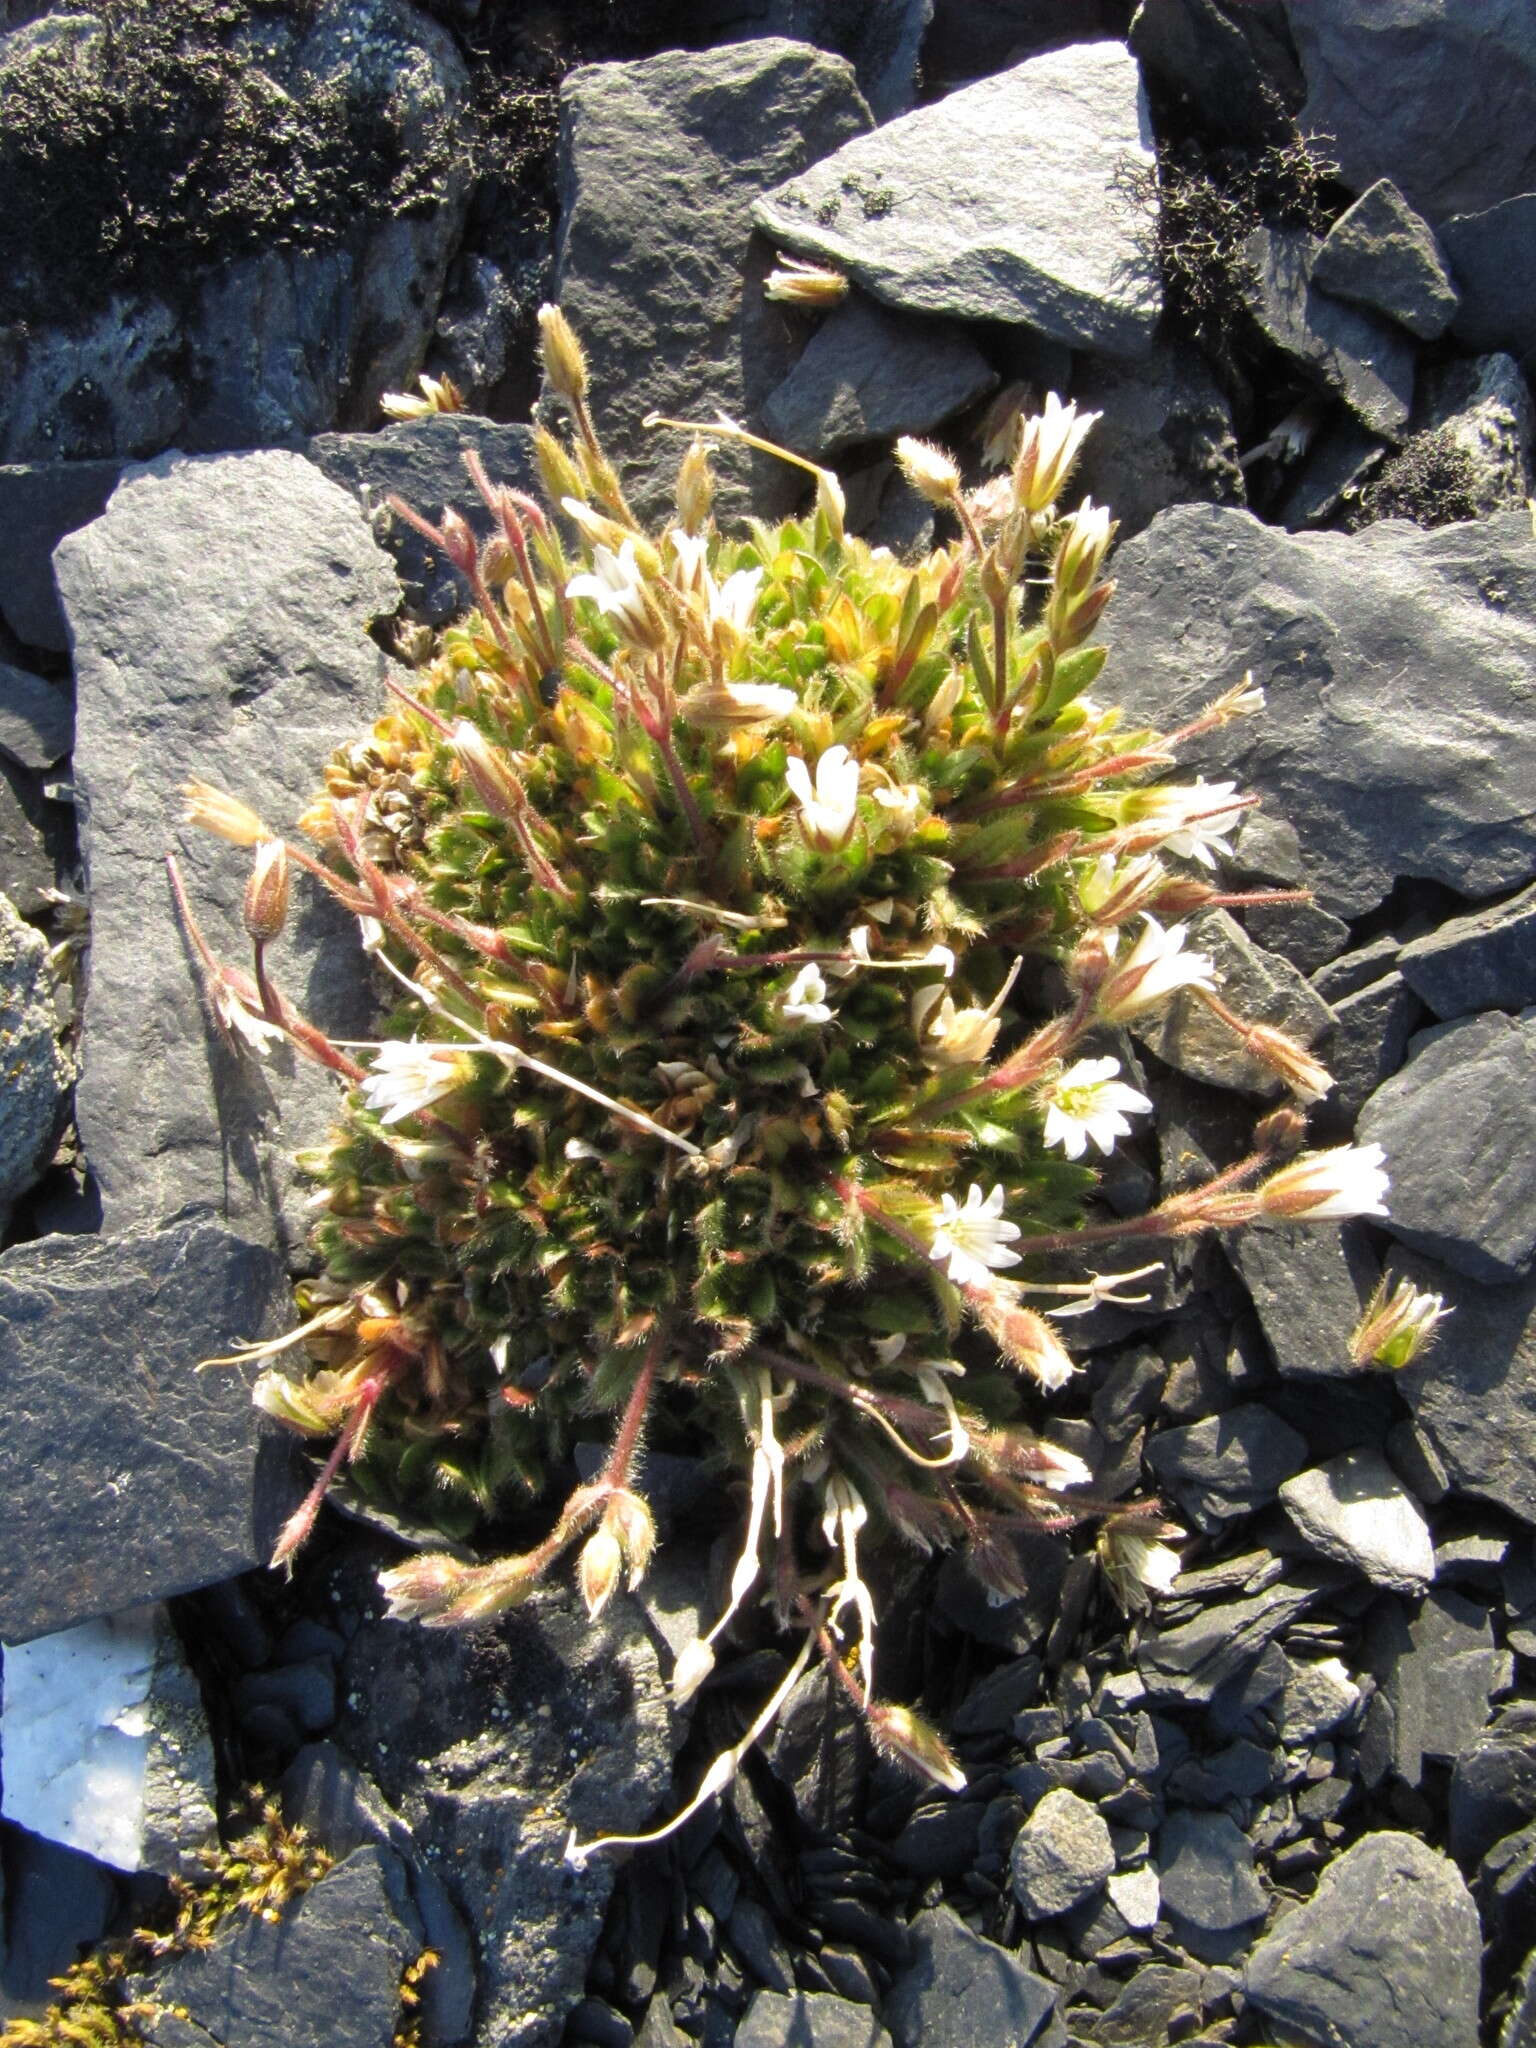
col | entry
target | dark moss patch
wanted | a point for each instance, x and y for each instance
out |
(160, 144)
(1431, 480)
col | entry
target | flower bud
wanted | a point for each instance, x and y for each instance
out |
(1397, 1326)
(486, 771)
(1302, 1074)
(598, 1570)
(630, 1520)
(804, 284)
(1281, 1132)
(559, 474)
(898, 1733)
(224, 815)
(928, 470)
(691, 1669)
(565, 365)
(265, 910)
(695, 488)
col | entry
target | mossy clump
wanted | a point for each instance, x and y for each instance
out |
(152, 138)
(1432, 480)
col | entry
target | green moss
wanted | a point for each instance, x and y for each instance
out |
(1431, 480)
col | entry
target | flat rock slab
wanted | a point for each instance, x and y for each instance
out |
(277, 1983)
(1473, 1393)
(126, 1474)
(870, 375)
(491, 1744)
(960, 1989)
(219, 609)
(1385, 1954)
(1205, 1870)
(1014, 199)
(1454, 127)
(1484, 961)
(660, 162)
(1398, 738)
(1459, 1127)
(1228, 1464)
(1357, 1510)
(1308, 1284)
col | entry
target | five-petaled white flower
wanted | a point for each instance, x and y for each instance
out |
(972, 1242)
(1153, 970)
(1047, 448)
(828, 810)
(1201, 816)
(615, 586)
(407, 1077)
(731, 603)
(1087, 1102)
(1347, 1180)
(804, 1001)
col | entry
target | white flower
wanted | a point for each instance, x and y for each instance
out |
(827, 812)
(692, 551)
(615, 586)
(1048, 446)
(728, 707)
(973, 1241)
(1087, 1102)
(804, 1001)
(731, 603)
(901, 802)
(405, 1078)
(1153, 970)
(1200, 818)
(1136, 1562)
(1347, 1180)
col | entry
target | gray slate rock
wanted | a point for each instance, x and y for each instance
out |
(58, 1902)
(809, 2019)
(660, 162)
(1385, 1954)
(1483, 961)
(1437, 1670)
(1189, 1662)
(1332, 475)
(1368, 1043)
(1061, 1854)
(869, 375)
(1165, 437)
(1381, 255)
(1489, 255)
(1455, 130)
(1473, 1393)
(127, 1475)
(1227, 1465)
(1319, 1695)
(1459, 1127)
(1006, 201)
(37, 1070)
(1211, 63)
(512, 1735)
(256, 576)
(1363, 642)
(277, 1983)
(960, 1989)
(1262, 987)
(34, 842)
(422, 461)
(39, 503)
(36, 720)
(1356, 1509)
(1205, 1869)
(1365, 360)
(1482, 410)
(1307, 1284)
(881, 43)
(1493, 1786)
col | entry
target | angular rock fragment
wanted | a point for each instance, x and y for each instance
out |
(1379, 254)
(960, 1989)
(1308, 1285)
(1366, 360)
(1205, 1869)
(1488, 251)
(1484, 961)
(1227, 1465)
(1482, 417)
(1364, 643)
(1165, 437)
(1261, 987)
(219, 609)
(1062, 1853)
(36, 723)
(1014, 199)
(1385, 1954)
(126, 1474)
(1355, 1509)
(36, 1069)
(1459, 1127)
(673, 319)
